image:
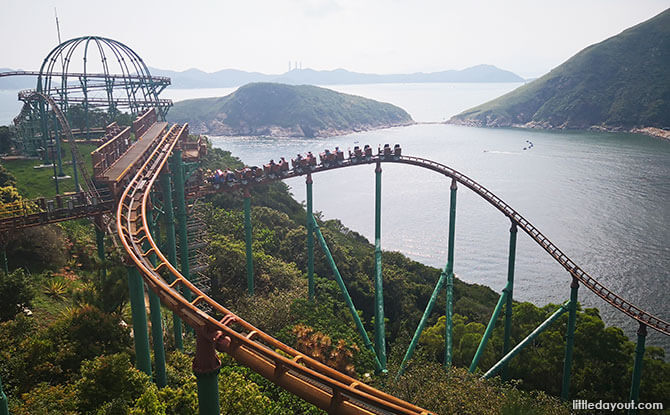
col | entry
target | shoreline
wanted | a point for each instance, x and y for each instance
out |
(282, 132)
(649, 131)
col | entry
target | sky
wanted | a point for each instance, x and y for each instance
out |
(528, 37)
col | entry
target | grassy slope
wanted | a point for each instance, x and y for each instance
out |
(261, 105)
(620, 82)
(32, 183)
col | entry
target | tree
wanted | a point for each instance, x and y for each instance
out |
(6, 177)
(89, 332)
(238, 396)
(6, 140)
(111, 381)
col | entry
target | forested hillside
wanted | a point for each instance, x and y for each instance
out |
(621, 83)
(286, 111)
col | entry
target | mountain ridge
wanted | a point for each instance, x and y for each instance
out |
(619, 84)
(196, 78)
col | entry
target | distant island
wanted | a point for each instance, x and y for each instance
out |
(281, 110)
(619, 84)
(195, 78)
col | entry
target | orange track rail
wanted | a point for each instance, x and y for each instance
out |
(307, 378)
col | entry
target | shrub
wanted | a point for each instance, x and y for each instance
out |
(16, 293)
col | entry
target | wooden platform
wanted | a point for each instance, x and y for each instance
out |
(117, 171)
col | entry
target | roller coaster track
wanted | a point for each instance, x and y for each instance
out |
(591, 283)
(311, 380)
(281, 364)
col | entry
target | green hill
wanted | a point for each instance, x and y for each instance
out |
(621, 83)
(286, 110)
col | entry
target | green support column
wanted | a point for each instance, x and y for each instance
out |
(178, 175)
(569, 339)
(538, 330)
(55, 177)
(380, 332)
(208, 393)
(77, 188)
(100, 243)
(637, 366)
(4, 409)
(347, 297)
(247, 240)
(206, 365)
(168, 223)
(44, 125)
(156, 323)
(310, 240)
(59, 158)
(140, 332)
(449, 324)
(510, 291)
(3, 259)
(157, 335)
(489, 330)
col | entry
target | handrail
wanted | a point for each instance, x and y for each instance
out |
(89, 75)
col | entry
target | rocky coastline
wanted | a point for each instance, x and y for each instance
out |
(218, 128)
(492, 122)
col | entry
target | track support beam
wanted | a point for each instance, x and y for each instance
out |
(637, 366)
(422, 323)
(177, 168)
(542, 327)
(449, 270)
(100, 243)
(4, 408)
(570, 339)
(345, 294)
(77, 187)
(206, 365)
(168, 223)
(157, 336)
(380, 332)
(3, 259)
(248, 242)
(156, 321)
(510, 291)
(310, 240)
(140, 332)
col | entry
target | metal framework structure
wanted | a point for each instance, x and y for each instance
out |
(92, 79)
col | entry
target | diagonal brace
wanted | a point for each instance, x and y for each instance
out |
(345, 293)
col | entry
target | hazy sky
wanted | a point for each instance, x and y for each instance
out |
(528, 37)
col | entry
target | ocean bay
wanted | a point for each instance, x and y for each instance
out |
(600, 197)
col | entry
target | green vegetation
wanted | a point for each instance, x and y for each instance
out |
(620, 83)
(286, 110)
(74, 355)
(33, 183)
(80, 117)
